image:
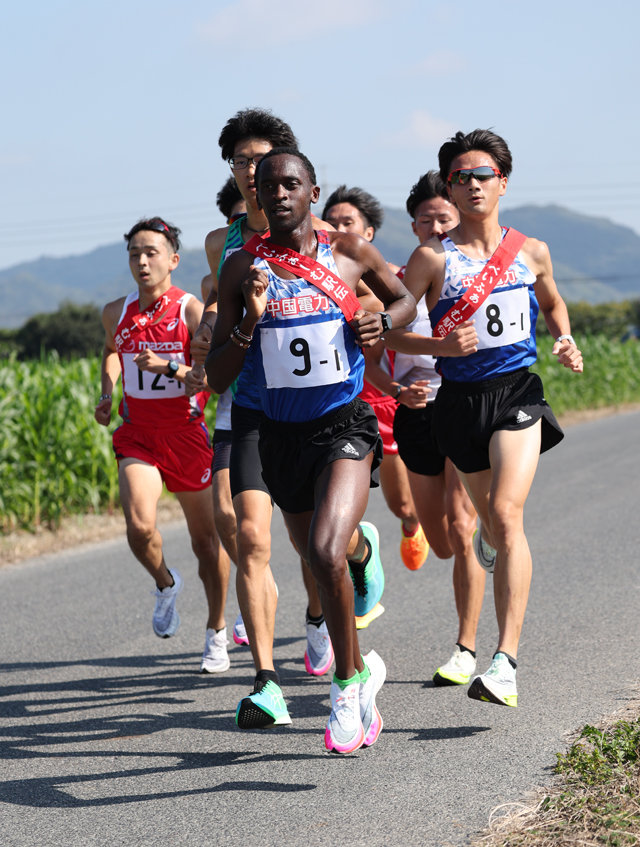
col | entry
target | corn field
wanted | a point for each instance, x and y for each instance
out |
(55, 460)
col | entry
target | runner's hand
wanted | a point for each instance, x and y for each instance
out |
(568, 355)
(414, 396)
(103, 412)
(254, 291)
(200, 344)
(367, 327)
(150, 361)
(194, 380)
(462, 341)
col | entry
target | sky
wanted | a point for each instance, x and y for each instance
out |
(112, 111)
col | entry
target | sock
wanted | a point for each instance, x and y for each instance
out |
(511, 660)
(344, 682)
(463, 648)
(365, 561)
(365, 673)
(263, 677)
(315, 621)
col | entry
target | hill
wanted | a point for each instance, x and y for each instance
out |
(594, 260)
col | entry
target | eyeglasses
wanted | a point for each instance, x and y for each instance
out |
(463, 175)
(239, 163)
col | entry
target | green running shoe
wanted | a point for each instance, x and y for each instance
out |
(264, 708)
(368, 580)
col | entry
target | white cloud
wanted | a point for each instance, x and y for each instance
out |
(422, 131)
(288, 21)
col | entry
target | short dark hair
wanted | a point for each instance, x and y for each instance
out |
(479, 139)
(156, 224)
(227, 197)
(365, 203)
(429, 186)
(288, 151)
(255, 123)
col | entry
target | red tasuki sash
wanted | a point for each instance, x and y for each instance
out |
(482, 284)
(156, 310)
(315, 273)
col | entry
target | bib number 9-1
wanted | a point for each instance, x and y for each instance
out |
(291, 360)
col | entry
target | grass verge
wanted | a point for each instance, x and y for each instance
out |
(595, 797)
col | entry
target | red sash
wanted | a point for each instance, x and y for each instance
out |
(156, 311)
(315, 273)
(482, 284)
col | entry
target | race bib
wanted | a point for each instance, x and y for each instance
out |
(304, 356)
(149, 386)
(504, 318)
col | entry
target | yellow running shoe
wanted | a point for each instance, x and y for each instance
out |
(414, 549)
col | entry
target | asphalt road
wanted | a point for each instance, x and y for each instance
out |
(109, 736)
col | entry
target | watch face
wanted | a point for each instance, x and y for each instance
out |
(173, 367)
(386, 321)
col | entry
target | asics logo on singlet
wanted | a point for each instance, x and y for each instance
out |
(350, 449)
(161, 346)
(173, 324)
(522, 417)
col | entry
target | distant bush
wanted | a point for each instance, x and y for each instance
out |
(73, 331)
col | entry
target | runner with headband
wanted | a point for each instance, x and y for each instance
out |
(485, 284)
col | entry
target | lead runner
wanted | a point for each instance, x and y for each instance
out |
(490, 415)
(319, 443)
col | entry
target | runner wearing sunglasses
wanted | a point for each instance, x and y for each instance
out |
(490, 415)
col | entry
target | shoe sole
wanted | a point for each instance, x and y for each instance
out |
(240, 641)
(250, 716)
(363, 621)
(381, 582)
(479, 691)
(440, 681)
(477, 549)
(317, 671)
(172, 629)
(343, 749)
(204, 669)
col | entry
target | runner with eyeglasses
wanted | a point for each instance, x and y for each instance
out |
(490, 415)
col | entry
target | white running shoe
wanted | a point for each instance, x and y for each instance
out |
(344, 732)
(371, 718)
(215, 658)
(485, 553)
(166, 619)
(239, 631)
(497, 685)
(458, 669)
(319, 653)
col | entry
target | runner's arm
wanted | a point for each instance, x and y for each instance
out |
(241, 301)
(110, 368)
(552, 306)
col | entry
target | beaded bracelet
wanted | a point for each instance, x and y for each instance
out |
(239, 343)
(240, 335)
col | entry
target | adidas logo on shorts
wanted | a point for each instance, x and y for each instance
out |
(350, 449)
(522, 417)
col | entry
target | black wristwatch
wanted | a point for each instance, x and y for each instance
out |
(172, 368)
(385, 320)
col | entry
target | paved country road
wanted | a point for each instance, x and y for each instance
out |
(109, 736)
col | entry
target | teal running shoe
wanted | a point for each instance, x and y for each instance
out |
(264, 708)
(368, 580)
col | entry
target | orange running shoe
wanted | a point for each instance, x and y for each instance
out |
(414, 549)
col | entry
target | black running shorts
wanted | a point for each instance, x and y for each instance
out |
(466, 414)
(221, 443)
(245, 468)
(417, 446)
(295, 454)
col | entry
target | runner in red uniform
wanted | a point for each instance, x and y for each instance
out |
(163, 437)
